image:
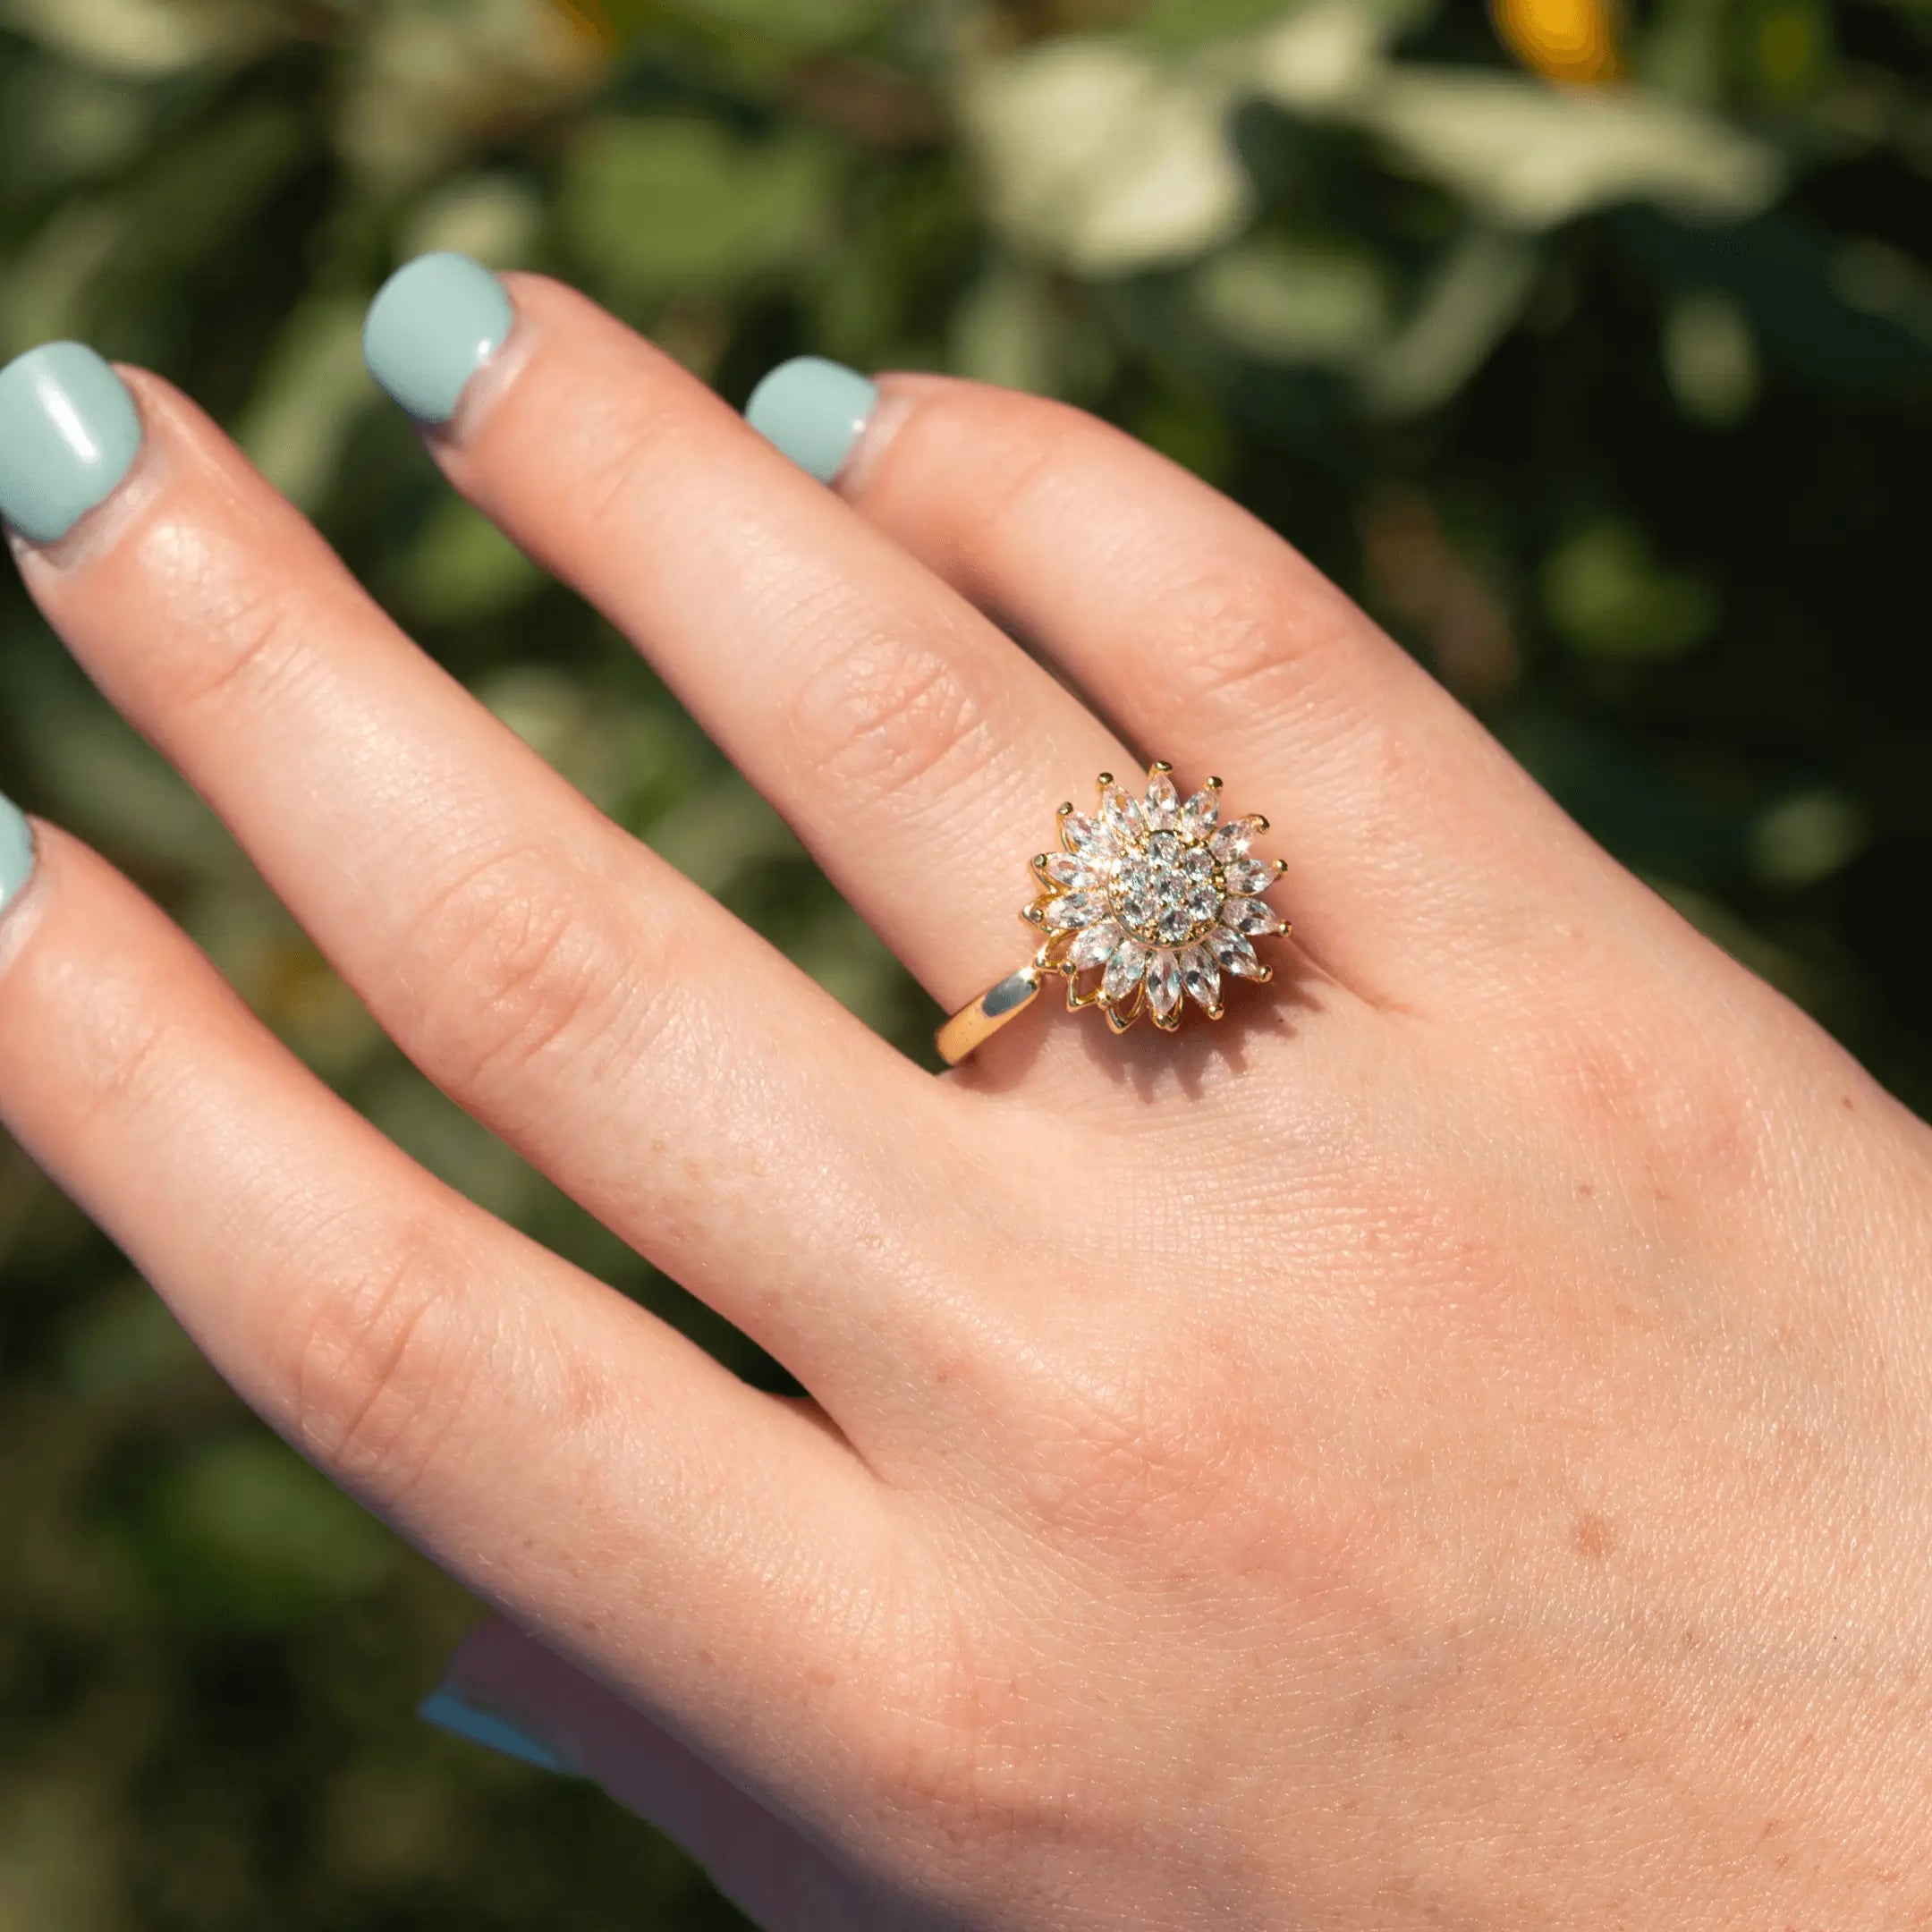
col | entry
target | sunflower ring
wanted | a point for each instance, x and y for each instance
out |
(1150, 904)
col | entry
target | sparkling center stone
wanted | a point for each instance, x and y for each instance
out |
(1164, 890)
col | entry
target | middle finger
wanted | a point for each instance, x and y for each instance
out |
(916, 750)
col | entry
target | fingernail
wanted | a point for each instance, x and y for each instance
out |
(433, 325)
(451, 1711)
(68, 432)
(16, 852)
(813, 410)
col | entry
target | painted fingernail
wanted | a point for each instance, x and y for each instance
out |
(16, 852)
(68, 432)
(433, 325)
(813, 411)
(453, 1711)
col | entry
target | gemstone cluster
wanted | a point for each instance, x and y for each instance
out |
(1152, 899)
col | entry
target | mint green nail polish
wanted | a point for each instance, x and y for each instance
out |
(16, 852)
(433, 325)
(68, 432)
(813, 411)
(450, 1710)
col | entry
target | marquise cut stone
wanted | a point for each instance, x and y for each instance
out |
(1197, 816)
(1162, 805)
(1250, 916)
(1123, 973)
(1076, 872)
(1201, 978)
(1234, 839)
(1247, 877)
(1163, 983)
(1235, 954)
(1097, 945)
(1121, 815)
(1075, 910)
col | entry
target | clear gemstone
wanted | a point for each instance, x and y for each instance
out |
(1198, 862)
(1203, 904)
(1232, 840)
(1163, 983)
(1096, 945)
(1077, 873)
(1076, 909)
(1234, 953)
(1174, 924)
(1250, 915)
(1201, 812)
(1123, 973)
(1201, 978)
(1140, 909)
(1163, 849)
(1249, 877)
(1121, 815)
(1089, 838)
(1162, 805)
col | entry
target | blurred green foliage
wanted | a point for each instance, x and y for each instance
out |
(1611, 402)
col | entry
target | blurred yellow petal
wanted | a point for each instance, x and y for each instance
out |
(1566, 40)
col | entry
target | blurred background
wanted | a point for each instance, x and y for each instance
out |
(1588, 347)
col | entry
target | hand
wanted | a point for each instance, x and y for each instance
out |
(1446, 1445)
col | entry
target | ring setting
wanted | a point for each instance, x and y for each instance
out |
(1151, 904)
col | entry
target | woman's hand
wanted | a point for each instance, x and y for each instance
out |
(1446, 1446)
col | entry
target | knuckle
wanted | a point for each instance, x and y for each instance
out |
(376, 1354)
(881, 714)
(1236, 644)
(511, 960)
(249, 630)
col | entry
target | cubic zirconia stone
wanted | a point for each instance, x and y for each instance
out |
(1249, 877)
(1163, 983)
(1076, 909)
(1162, 805)
(1197, 816)
(1174, 924)
(1121, 815)
(1203, 905)
(1250, 915)
(1097, 945)
(1123, 973)
(1088, 837)
(1234, 839)
(1234, 953)
(1201, 978)
(1076, 873)
(1140, 911)
(1164, 848)
(1198, 862)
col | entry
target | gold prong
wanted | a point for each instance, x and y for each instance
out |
(1104, 780)
(1039, 858)
(1260, 824)
(1171, 1024)
(1160, 765)
(1065, 810)
(1215, 1012)
(1263, 977)
(1281, 868)
(1214, 785)
(1033, 915)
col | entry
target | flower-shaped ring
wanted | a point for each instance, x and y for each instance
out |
(1145, 908)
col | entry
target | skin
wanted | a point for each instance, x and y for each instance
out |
(1445, 1448)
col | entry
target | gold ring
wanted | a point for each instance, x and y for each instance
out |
(1146, 906)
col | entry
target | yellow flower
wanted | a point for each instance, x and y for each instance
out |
(1566, 40)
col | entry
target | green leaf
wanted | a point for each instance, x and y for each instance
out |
(1608, 596)
(657, 207)
(1319, 302)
